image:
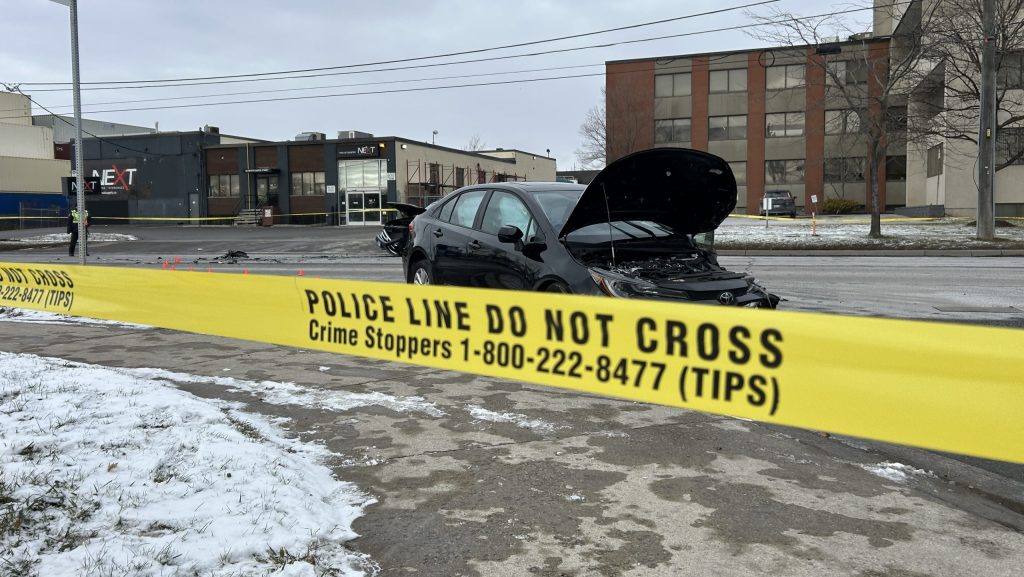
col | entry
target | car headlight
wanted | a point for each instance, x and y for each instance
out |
(617, 285)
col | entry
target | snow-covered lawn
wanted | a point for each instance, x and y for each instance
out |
(64, 238)
(851, 232)
(106, 472)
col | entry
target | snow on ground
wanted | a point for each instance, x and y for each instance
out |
(283, 393)
(894, 471)
(852, 232)
(481, 414)
(106, 472)
(65, 238)
(42, 317)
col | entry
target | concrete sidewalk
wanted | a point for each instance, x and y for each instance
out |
(505, 478)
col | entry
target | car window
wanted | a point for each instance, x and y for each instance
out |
(557, 204)
(446, 211)
(505, 209)
(466, 207)
(620, 230)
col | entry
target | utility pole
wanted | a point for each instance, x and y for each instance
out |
(77, 92)
(987, 130)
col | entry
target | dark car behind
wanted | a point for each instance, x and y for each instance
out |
(779, 202)
(630, 233)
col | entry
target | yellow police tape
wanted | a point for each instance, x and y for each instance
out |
(941, 386)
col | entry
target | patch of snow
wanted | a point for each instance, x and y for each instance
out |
(576, 497)
(282, 393)
(42, 317)
(481, 414)
(323, 369)
(114, 473)
(64, 238)
(897, 472)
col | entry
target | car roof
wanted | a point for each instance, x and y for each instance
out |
(531, 187)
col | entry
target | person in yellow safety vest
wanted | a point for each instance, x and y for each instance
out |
(73, 229)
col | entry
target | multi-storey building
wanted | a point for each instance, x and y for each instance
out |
(776, 115)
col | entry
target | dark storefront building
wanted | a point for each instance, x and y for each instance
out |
(150, 176)
(349, 180)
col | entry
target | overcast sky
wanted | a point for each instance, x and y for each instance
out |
(128, 40)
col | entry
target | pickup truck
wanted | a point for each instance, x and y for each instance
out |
(778, 202)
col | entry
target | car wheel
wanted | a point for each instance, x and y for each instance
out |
(556, 287)
(420, 273)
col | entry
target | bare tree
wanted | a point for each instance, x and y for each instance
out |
(868, 77)
(592, 152)
(475, 143)
(950, 97)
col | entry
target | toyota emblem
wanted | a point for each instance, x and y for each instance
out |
(727, 298)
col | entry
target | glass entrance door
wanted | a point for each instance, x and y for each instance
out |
(266, 190)
(363, 207)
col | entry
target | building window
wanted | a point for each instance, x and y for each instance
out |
(672, 85)
(460, 177)
(728, 80)
(850, 169)
(787, 76)
(841, 122)
(1010, 71)
(362, 174)
(308, 183)
(727, 127)
(1009, 146)
(784, 171)
(739, 171)
(784, 124)
(674, 130)
(841, 72)
(933, 165)
(896, 168)
(896, 120)
(224, 185)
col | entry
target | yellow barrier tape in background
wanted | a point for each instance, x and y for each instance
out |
(940, 386)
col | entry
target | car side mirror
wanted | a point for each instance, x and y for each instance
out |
(509, 234)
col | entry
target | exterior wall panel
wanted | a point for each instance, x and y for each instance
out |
(755, 132)
(629, 89)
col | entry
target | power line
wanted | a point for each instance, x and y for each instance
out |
(100, 138)
(349, 85)
(430, 57)
(478, 60)
(421, 89)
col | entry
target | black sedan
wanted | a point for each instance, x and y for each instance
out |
(631, 233)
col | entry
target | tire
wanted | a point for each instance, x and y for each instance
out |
(419, 273)
(556, 287)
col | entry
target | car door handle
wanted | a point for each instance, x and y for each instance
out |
(438, 233)
(474, 244)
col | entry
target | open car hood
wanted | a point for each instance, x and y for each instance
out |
(687, 190)
(406, 209)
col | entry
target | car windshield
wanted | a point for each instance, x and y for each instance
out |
(777, 194)
(621, 230)
(557, 204)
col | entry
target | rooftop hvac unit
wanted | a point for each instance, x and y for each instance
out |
(353, 134)
(861, 36)
(307, 136)
(211, 129)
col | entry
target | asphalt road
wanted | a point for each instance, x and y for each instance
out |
(986, 290)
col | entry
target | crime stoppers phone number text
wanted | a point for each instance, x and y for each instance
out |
(692, 382)
(20, 295)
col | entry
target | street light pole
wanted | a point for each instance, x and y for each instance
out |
(987, 130)
(77, 92)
